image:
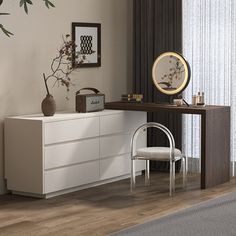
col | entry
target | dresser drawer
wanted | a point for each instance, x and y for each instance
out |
(70, 130)
(71, 153)
(118, 144)
(115, 145)
(118, 166)
(122, 123)
(69, 177)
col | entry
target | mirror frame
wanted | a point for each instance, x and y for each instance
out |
(186, 77)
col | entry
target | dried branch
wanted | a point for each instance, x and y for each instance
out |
(45, 81)
(61, 65)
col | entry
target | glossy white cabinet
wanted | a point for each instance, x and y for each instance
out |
(49, 156)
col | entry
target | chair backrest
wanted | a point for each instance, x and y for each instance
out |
(159, 126)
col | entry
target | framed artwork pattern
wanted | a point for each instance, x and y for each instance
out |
(87, 37)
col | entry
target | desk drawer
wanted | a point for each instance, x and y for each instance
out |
(123, 122)
(69, 177)
(71, 153)
(70, 130)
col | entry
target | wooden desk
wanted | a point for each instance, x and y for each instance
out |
(215, 136)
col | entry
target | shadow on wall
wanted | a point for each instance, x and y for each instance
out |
(120, 37)
(130, 48)
(2, 182)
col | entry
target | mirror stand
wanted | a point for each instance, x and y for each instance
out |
(171, 99)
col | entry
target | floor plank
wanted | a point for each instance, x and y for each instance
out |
(104, 209)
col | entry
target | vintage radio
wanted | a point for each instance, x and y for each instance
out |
(89, 102)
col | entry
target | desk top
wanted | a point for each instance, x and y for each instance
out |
(155, 107)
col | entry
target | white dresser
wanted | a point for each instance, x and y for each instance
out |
(49, 156)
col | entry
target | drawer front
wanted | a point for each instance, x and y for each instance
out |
(69, 177)
(70, 130)
(71, 153)
(118, 166)
(126, 121)
(115, 145)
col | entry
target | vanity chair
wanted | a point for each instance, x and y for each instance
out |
(170, 154)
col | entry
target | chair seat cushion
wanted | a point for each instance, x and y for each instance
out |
(157, 153)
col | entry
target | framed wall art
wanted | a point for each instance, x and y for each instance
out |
(87, 37)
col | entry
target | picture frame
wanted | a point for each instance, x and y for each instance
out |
(87, 37)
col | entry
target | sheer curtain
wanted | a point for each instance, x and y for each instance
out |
(209, 45)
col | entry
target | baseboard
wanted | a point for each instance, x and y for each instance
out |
(74, 189)
(3, 189)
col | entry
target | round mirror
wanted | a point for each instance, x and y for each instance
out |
(171, 73)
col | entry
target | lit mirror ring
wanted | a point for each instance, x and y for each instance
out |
(171, 73)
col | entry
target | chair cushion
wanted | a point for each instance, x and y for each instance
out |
(157, 153)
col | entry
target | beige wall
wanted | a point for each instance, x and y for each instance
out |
(26, 55)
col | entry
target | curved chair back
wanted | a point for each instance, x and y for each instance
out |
(159, 126)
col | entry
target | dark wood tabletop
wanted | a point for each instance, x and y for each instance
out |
(153, 107)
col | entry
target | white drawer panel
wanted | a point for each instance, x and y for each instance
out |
(71, 153)
(69, 177)
(69, 130)
(123, 122)
(118, 166)
(115, 145)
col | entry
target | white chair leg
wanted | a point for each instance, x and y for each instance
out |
(200, 165)
(172, 178)
(184, 167)
(147, 173)
(186, 164)
(132, 179)
(173, 191)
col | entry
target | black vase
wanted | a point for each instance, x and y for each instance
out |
(48, 105)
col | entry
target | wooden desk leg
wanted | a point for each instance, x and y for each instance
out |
(215, 147)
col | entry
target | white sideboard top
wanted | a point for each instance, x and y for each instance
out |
(65, 115)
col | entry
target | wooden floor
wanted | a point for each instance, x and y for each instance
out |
(101, 210)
